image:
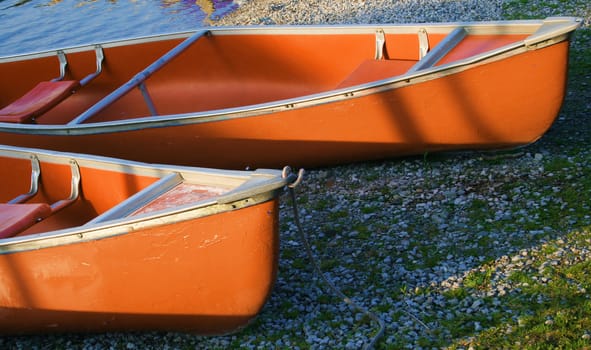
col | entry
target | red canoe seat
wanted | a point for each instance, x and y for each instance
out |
(15, 218)
(37, 101)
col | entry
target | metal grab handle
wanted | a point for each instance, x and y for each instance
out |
(100, 56)
(74, 188)
(61, 56)
(35, 174)
(138, 78)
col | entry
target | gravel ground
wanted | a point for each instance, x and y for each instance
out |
(266, 12)
(404, 237)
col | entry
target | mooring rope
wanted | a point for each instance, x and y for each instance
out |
(325, 279)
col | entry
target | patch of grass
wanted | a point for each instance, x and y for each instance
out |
(370, 209)
(479, 279)
(300, 263)
(456, 293)
(288, 309)
(563, 328)
(339, 214)
(322, 204)
(363, 232)
(520, 277)
(478, 211)
(557, 164)
(329, 264)
(431, 257)
(553, 311)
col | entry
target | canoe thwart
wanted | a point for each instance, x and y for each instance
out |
(139, 79)
(147, 98)
(442, 49)
(47, 94)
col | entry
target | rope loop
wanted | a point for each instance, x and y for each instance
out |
(294, 180)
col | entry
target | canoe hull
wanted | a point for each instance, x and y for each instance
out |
(240, 97)
(208, 276)
(502, 104)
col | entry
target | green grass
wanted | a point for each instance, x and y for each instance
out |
(553, 306)
(478, 279)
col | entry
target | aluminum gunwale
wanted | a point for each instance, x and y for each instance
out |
(123, 226)
(207, 176)
(249, 188)
(516, 26)
(557, 34)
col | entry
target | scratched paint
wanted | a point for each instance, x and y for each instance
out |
(211, 241)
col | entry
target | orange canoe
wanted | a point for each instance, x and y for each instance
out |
(97, 244)
(300, 95)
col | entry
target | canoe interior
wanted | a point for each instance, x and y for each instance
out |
(100, 190)
(224, 71)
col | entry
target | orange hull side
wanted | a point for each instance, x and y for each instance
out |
(504, 103)
(211, 275)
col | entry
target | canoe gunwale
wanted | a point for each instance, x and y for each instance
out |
(473, 27)
(257, 187)
(560, 29)
(207, 176)
(124, 226)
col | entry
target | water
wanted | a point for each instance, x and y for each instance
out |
(37, 25)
